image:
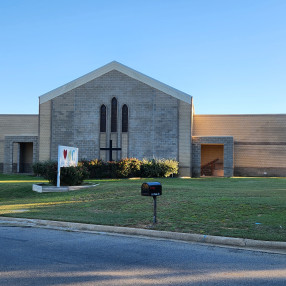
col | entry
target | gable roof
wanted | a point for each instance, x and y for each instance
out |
(123, 69)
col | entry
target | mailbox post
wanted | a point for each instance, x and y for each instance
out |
(153, 189)
(155, 209)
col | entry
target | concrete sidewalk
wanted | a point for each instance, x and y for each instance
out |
(268, 246)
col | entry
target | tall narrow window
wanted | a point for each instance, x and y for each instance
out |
(103, 118)
(124, 118)
(114, 115)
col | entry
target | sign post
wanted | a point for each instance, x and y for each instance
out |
(67, 156)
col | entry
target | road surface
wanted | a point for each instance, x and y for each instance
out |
(37, 256)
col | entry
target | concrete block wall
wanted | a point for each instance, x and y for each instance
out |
(153, 118)
(62, 123)
(103, 143)
(227, 141)
(9, 150)
(124, 145)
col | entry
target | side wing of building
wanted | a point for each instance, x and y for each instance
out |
(18, 142)
(259, 141)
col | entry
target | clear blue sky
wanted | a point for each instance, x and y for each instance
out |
(230, 55)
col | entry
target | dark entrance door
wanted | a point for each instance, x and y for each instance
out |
(26, 157)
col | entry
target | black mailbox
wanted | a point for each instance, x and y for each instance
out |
(151, 189)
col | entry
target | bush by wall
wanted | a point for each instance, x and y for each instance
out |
(98, 169)
(70, 176)
(159, 168)
(44, 169)
(131, 167)
(128, 167)
(125, 168)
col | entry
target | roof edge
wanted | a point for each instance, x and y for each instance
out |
(242, 114)
(123, 69)
(20, 114)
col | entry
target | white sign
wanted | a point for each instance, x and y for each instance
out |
(67, 156)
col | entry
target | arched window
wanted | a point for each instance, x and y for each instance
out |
(103, 118)
(114, 115)
(124, 118)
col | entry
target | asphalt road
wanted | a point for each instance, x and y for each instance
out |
(35, 256)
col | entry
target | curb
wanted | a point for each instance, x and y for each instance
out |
(41, 188)
(272, 246)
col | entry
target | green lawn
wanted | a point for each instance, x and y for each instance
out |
(239, 207)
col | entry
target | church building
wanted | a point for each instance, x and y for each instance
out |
(136, 116)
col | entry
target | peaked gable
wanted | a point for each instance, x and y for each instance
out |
(123, 69)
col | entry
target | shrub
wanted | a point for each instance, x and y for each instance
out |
(42, 168)
(128, 167)
(73, 176)
(38, 168)
(159, 168)
(135, 167)
(171, 167)
(112, 167)
(131, 167)
(97, 169)
(70, 176)
(125, 168)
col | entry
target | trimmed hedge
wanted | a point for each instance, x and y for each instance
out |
(131, 167)
(159, 168)
(125, 168)
(70, 176)
(98, 169)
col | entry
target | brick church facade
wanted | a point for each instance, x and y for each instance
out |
(142, 118)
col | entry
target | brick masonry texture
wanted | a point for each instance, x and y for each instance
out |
(153, 118)
(9, 142)
(259, 140)
(160, 126)
(185, 139)
(227, 141)
(45, 131)
(12, 125)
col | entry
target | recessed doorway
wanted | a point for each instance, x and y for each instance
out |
(212, 160)
(26, 157)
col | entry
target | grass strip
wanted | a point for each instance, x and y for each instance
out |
(252, 208)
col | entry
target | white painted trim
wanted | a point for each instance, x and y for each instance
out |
(123, 69)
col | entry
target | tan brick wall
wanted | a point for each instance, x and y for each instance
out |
(243, 128)
(45, 131)
(18, 125)
(259, 156)
(185, 138)
(259, 140)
